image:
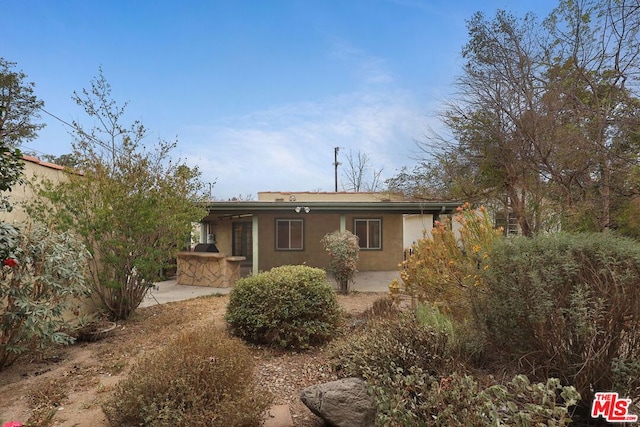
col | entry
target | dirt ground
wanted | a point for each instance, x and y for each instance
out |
(67, 386)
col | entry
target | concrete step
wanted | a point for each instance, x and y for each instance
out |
(278, 416)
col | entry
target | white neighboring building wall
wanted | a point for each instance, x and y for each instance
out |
(415, 228)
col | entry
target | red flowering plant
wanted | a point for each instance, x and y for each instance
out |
(9, 237)
(10, 262)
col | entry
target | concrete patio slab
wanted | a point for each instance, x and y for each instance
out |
(169, 290)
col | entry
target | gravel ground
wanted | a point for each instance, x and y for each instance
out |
(66, 387)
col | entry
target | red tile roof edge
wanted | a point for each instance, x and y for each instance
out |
(49, 165)
(37, 161)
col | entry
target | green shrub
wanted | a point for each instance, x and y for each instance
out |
(288, 307)
(568, 306)
(406, 360)
(42, 277)
(418, 399)
(202, 378)
(390, 346)
(430, 315)
(343, 251)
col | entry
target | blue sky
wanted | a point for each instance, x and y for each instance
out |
(258, 93)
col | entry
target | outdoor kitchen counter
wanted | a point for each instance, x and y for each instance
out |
(212, 269)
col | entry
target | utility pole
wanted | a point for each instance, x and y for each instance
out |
(335, 164)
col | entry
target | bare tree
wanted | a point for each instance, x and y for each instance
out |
(242, 198)
(359, 174)
(494, 118)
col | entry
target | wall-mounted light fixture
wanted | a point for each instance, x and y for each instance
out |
(299, 209)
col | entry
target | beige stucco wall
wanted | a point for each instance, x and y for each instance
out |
(392, 244)
(316, 226)
(34, 171)
(38, 171)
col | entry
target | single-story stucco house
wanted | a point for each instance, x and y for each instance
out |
(282, 228)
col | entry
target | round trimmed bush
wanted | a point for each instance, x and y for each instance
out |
(292, 306)
(202, 378)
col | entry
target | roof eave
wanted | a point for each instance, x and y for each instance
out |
(398, 207)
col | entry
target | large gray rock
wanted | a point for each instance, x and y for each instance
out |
(342, 403)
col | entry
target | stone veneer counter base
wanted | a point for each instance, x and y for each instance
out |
(211, 269)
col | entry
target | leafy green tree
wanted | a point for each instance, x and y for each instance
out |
(492, 158)
(18, 115)
(18, 106)
(132, 205)
(594, 76)
(11, 170)
(66, 160)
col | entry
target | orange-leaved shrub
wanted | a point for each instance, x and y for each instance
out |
(446, 269)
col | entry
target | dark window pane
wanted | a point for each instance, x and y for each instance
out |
(369, 232)
(361, 232)
(296, 234)
(374, 234)
(282, 236)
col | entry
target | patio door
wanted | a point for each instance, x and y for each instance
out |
(243, 241)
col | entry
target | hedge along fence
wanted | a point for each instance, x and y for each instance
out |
(568, 306)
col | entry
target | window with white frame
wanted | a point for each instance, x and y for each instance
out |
(289, 234)
(369, 232)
